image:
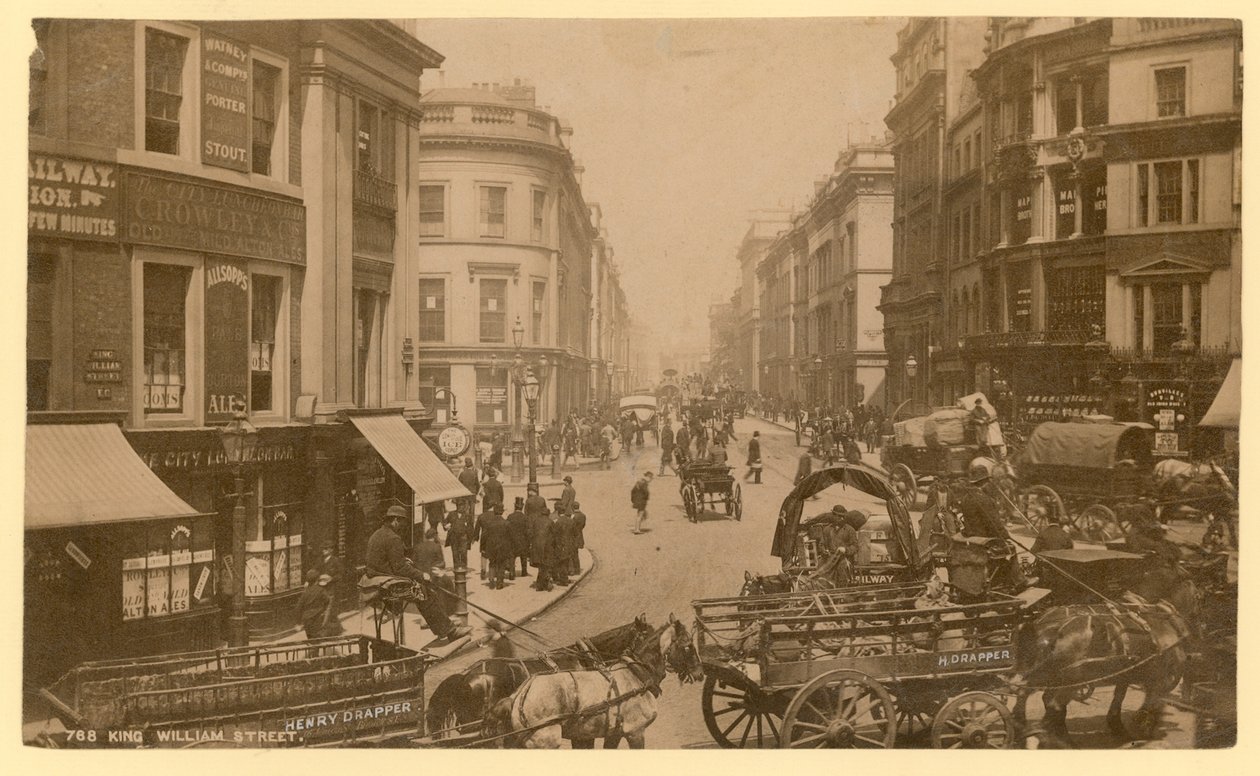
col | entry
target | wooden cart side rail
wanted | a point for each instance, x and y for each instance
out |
(826, 609)
(891, 669)
(968, 610)
(895, 590)
(350, 718)
(908, 630)
(799, 603)
(277, 691)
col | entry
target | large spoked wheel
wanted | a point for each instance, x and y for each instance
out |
(1039, 502)
(1098, 523)
(739, 715)
(903, 480)
(737, 498)
(840, 710)
(974, 720)
(689, 503)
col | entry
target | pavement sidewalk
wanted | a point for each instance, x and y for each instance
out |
(516, 603)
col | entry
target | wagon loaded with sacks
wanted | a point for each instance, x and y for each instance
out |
(942, 443)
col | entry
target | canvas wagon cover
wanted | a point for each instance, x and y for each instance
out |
(1088, 445)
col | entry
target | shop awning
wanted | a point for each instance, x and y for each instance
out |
(84, 474)
(1227, 405)
(409, 456)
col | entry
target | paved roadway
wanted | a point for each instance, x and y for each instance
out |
(676, 561)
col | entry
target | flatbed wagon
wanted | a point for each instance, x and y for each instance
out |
(850, 667)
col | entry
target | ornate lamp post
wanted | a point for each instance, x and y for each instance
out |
(531, 389)
(239, 440)
(818, 373)
(518, 377)
(912, 369)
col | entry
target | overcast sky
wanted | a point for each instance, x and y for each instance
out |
(684, 126)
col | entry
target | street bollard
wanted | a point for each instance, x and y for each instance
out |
(461, 593)
(555, 464)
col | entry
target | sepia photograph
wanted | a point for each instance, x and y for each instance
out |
(473, 382)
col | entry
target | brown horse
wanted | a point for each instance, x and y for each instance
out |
(1069, 649)
(468, 696)
(614, 702)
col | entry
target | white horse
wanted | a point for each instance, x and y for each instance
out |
(610, 703)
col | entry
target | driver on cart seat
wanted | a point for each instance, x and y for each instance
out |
(386, 557)
(982, 518)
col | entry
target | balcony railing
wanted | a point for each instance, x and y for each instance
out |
(1142, 355)
(373, 190)
(1015, 138)
(1015, 339)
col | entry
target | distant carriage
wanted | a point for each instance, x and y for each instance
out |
(704, 484)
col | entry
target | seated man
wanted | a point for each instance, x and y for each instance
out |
(386, 556)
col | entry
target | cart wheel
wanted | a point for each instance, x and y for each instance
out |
(738, 497)
(840, 710)
(1097, 523)
(974, 720)
(739, 714)
(1039, 501)
(903, 480)
(689, 503)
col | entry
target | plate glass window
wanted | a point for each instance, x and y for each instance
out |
(492, 213)
(266, 104)
(432, 310)
(262, 347)
(164, 56)
(432, 211)
(1170, 92)
(165, 337)
(493, 318)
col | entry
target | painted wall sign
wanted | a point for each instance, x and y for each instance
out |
(173, 211)
(72, 198)
(103, 366)
(225, 102)
(227, 348)
(211, 457)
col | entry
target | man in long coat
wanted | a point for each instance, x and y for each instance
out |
(491, 491)
(754, 458)
(579, 537)
(496, 545)
(469, 479)
(518, 528)
(667, 444)
(567, 496)
(538, 522)
(559, 541)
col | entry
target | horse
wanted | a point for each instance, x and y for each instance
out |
(468, 696)
(613, 702)
(771, 584)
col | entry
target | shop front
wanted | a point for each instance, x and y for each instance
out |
(193, 464)
(116, 563)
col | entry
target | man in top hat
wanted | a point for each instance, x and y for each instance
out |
(579, 537)
(754, 458)
(469, 479)
(386, 556)
(491, 491)
(518, 529)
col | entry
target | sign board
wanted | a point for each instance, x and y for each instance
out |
(80, 557)
(454, 441)
(169, 210)
(227, 346)
(1166, 442)
(225, 102)
(71, 198)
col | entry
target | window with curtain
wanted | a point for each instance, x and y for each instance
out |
(164, 57)
(492, 214)
(432, 310)
(165, 337)
(493, 310)
(266, 104)
(264, 318)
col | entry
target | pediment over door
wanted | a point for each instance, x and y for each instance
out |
(1164, 265)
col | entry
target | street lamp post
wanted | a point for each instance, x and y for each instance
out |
(531, 388)
(518, 376)
(912, 369)
(818, 374)
(239, 440)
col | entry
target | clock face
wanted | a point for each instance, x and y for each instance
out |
(453, 441)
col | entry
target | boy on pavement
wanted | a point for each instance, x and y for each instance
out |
(639, 500)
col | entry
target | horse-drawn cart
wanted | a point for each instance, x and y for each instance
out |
(322, 692)
(1093, 475)
(704, 484)
(849, 668)
(941, 443)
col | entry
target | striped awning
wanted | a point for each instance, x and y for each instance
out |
(409, 456)
(85, 474)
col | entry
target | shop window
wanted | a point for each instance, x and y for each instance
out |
(492, 216)
(1170, 92)
(168, 568)
(432, 211)
(39, 331)
(274, 550)
(264, 315)
(1075, 298)
(165, 337)
(491, 395)
(432, 310)
(266, 105)
(431, 379)
(539, 216)
(493, 314)
(164, 57)
(537, 308)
